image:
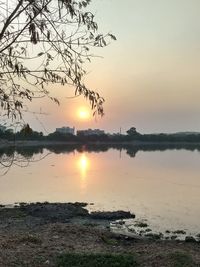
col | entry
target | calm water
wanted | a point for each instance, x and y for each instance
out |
(160, 186)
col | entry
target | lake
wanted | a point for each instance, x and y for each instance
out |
(161, 186)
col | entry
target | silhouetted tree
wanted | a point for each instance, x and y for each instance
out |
(45, 42)
(26, 130)
(132, 131)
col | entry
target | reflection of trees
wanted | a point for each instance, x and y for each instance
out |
(27, 152)
(131, 150)
(94, 148)
(58, 149)
(22, 156)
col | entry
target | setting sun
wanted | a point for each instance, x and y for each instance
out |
(83, 113)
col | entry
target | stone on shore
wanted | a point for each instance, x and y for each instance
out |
(111, 215)
(190, 239)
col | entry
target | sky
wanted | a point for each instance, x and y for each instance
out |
(150, 77)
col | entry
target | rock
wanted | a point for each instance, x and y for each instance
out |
(173, 237)
(190, 239)
(179, 232)
(148, 230)
(121, 222)
(132, 230)
(154, 236)
(111, 215)
(141, 224)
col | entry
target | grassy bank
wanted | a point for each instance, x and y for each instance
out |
(175, 259)
(97, 260)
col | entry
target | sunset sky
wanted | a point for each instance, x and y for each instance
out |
(150, 77)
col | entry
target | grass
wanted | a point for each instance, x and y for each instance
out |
(180, 259)
(97, 260)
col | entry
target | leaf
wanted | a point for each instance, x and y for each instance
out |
(113, 37)
(40, 54)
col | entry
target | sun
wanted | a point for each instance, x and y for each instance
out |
(83, 114)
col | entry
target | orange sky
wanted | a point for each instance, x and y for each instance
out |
(150, 77)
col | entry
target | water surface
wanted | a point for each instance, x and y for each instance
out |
(160, 186)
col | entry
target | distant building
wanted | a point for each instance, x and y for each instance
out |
(66, 130)
(90, 132)
(2, 128)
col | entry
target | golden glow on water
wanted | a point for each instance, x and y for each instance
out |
(83, 164)
(151, 185)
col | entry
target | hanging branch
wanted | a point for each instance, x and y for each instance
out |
(45, 42)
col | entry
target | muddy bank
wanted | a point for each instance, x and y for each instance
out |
(34, 214)
(37, 234)
(22, 216)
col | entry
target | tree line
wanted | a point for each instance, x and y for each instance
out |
(27, 133)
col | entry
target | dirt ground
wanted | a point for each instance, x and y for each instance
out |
(36, 235)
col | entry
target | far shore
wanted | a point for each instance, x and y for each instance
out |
(43, 143)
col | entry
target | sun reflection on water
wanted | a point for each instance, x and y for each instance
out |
(83, 165)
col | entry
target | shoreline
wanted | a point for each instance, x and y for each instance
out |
(119, 222)
(43, 231)
(34, 143)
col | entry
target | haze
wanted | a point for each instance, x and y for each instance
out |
(150, 77)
